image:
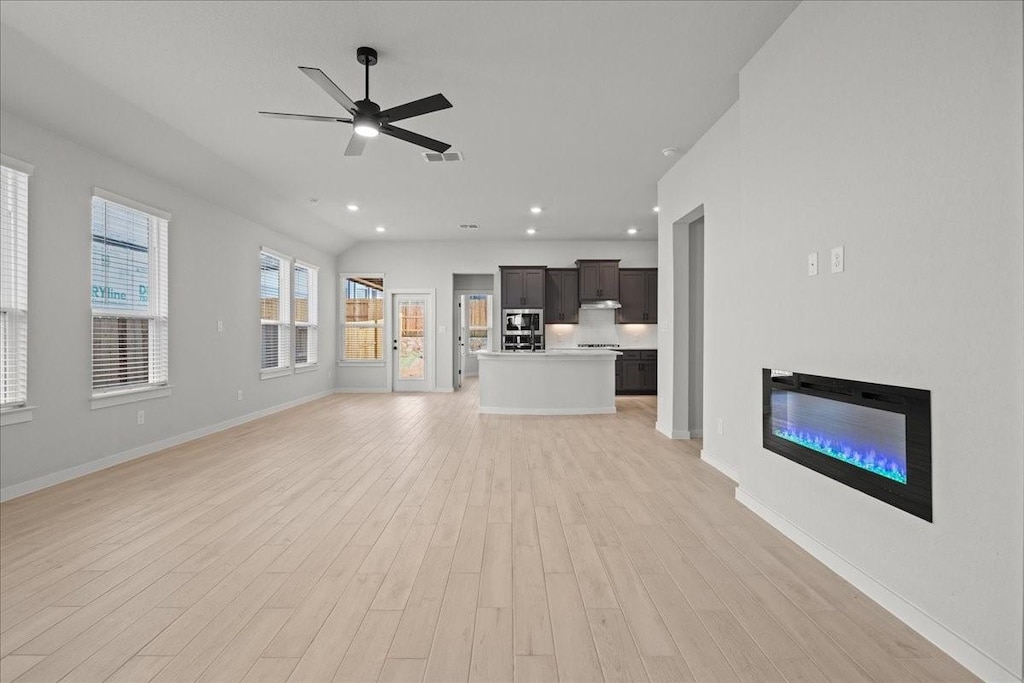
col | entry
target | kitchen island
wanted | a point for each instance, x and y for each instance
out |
(552, 382)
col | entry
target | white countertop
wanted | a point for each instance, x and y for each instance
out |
(551, 353)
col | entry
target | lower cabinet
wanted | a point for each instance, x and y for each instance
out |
(636, 372)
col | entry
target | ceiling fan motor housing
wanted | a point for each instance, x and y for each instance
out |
(366, 56)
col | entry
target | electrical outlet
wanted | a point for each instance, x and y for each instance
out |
(220, 325)
(838, 260)
(239, 394)
(812, 263)
(141, 418)
(721, 426)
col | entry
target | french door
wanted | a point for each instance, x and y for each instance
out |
(412, 340)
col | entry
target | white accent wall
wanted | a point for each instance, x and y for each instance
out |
(432, 264)
(894, 130)
(213, 276)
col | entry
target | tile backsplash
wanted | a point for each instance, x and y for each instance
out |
(597, 326)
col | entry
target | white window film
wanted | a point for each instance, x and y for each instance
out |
(129, 297)
(362, 311)
(306, 323)
(13, 288)
(479, 321)
(275, 311)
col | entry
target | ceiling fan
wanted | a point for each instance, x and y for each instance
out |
(367, 118)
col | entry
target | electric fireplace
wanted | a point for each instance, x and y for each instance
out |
(872, 437)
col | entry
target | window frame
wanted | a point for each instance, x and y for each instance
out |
(18, 409)
(312, 324)
(284, 318)
(158, 313)
(489, 299)
(342, 320)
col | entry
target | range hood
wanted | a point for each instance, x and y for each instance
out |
(608, 304)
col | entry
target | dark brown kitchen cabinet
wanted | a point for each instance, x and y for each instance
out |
(562, 296)
(599, 279)
(522, 286)
(638, 294)
(636, 372)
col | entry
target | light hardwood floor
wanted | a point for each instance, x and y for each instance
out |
(406, 538)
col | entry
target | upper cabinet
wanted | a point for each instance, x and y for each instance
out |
(599, 280)
(638, 294)
(562, 295)
(522, 286)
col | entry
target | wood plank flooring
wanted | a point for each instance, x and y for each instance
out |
(404, 538)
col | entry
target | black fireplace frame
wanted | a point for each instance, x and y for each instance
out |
(915, 496)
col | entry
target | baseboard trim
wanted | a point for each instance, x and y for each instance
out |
(362, 390)
(48, 480)
(720, 465)
(948, 641)
(696, 433)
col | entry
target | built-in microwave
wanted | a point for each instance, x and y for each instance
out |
(522, 329)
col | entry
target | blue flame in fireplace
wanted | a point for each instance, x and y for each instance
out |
(872, 461)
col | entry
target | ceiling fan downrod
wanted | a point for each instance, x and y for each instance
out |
(367, 56)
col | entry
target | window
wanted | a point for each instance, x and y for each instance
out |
(129, 295)
(13, 286)
(478, 320)
(306, 328)
(289, 326)
(275, 313)
(362, 318)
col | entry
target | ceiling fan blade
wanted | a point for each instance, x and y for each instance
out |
(355, 145)
(417, 108)
(415, 138)
(304, 117)
(321, 79)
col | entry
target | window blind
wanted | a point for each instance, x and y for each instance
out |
(13, 287)
(275, 313)
(129, 297)
(307, 329)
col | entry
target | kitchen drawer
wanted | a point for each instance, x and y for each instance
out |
(631, 355)
(648, 355)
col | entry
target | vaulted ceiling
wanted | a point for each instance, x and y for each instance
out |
(563, 105)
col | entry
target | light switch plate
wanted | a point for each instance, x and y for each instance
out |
(812, 263)
(838, 260)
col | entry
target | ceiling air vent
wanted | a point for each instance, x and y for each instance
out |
(469, 226)
(443, 157)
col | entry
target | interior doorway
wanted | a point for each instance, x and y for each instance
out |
(695, 406)
(412, 340)
(473, 322)
(688, 315)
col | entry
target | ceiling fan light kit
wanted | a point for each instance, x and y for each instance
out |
(368, 121)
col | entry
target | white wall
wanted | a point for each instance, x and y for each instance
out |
(895, 131)
(432, 264)
(213, 275)
(705, 182)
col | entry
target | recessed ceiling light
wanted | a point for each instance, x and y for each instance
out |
(535, 209)
(352, 207)
(656, 209)
(380, 228)
(632, 231)
(531, 231)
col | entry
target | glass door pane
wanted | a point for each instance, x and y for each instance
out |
(411, 349)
